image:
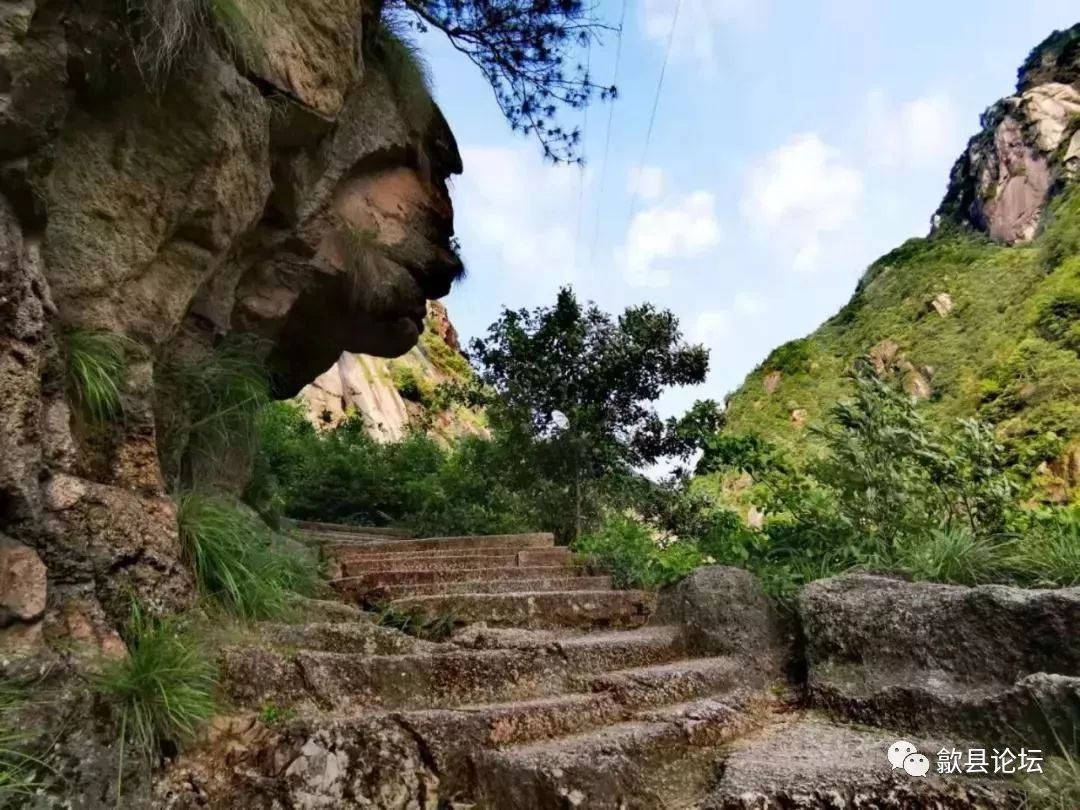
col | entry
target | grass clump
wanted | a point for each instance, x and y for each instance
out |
(238, 561)
(95, 363)
(951, 555)
(404, 66)
(1047, 554)
(163, 690)
(628, 551)
(1057, 787)
(208, 408)
(165, 31)
(21, 772)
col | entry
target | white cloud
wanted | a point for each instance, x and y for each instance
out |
(748, 304)
(522, 209)
(710, 327)
(668, 233)
(699, 25)
(648, 184)
(923, 133)
(801, 193)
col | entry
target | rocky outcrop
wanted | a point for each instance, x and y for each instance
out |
(1029, 145)
(394, 396)
(992, 662)
(174, 206)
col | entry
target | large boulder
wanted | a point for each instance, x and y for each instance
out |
(993, 662)
(725, 611)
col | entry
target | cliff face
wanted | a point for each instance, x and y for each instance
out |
(394, 396)
(177, 208)
(979, 319)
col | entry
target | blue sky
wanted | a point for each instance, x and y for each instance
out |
(796, 141)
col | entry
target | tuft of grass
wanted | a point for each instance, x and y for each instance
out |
(237, 560)
(1057, 787)
(95, 363)
(166, 30)
(163, 690)
(1049, 554)
(954, 556)
(400, 60)
(20, 770)
(418, 624)
(209, 411)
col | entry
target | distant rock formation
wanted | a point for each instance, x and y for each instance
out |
(1029, 145)
(371, 386)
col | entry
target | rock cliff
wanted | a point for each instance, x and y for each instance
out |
(179, 182)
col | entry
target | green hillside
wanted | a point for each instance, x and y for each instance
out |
(1008, 351)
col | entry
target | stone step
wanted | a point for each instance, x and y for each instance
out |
(321, 527)
(365, 637)
(516, 542)
(450, 675)
(351, 566)
(571, 608)
(632, 765)
(670, 683)
(358, 588)
(806, 761)
(562, 583)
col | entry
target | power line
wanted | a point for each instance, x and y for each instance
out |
(652, 117)
(607, 137)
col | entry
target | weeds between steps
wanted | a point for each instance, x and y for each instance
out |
(417, 623)
(162, 690)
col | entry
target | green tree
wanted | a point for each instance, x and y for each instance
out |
(576, 389)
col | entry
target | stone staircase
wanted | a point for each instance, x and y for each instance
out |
(555, 691)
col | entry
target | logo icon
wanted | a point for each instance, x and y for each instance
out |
(903, 754)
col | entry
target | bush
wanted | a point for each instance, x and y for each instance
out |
(794, 357)
(627, 550)
(95, 363)
(237, 560)
(163, 690)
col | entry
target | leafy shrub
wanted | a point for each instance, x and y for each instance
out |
(237, 560)
(95, 362)
(627, 550)
(793, 357)
(163, 690)
(343, 474)
(411, 386)
(745, 452)
(1058, 320)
